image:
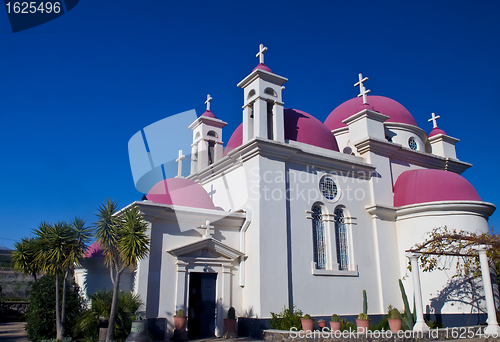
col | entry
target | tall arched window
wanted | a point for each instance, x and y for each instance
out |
(341, 239)
(318, 237)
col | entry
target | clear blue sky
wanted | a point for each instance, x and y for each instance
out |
(74, 90)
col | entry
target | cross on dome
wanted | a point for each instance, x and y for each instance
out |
(209, 229)
(207, 102)
(362, 90)
(433, 119)
(260, 54)
(179, 164)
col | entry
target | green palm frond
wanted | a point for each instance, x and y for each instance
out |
(133, 244)
(107, 229)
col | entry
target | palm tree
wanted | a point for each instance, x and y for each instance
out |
(57, 240)
(122, 236)
(24, 257)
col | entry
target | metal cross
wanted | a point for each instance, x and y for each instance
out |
(362, 89)
(209, 229)
(433, 119)
(260, 54)
(207, 102)
(179, 164)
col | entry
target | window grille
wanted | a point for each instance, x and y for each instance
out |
(328, 188)
(341, 238)
(319, 238)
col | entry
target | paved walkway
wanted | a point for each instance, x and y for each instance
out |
(13, 332)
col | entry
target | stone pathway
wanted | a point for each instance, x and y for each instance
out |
(13, 332)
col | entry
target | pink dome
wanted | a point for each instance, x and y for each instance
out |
(209, 114)
(262, 66)
(436, 131)
(94, 251)
(180, 191)
(299, 126)
(384, 105)
(422, 186)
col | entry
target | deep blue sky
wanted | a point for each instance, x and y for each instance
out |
(74, 90)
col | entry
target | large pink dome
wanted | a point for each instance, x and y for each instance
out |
(180, 191)
(94, 251)
(299, 126)
(422, 186)
(384, 105)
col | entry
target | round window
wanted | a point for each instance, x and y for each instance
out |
(328, 187)
(412, 143)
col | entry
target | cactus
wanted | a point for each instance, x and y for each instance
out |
(231, 313)
(408, 320)
(307, 316)
(394, 314)
(363, 316)
(365, 303)
(335, 318)
(180, 313)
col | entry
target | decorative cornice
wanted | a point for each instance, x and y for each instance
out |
(209, 243)
(427, 160)
(207, 120)
(445, 208)
(365, 113)
(443, 137)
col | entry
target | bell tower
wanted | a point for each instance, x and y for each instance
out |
(263, 105)
(206, 148)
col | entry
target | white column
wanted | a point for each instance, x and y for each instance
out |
(247, 124)
(492, 328)
(417, 291)
(141, 279)
(180, 293)
(279, 122)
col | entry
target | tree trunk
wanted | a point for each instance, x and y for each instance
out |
(114, 303)
(63, 306)
(59, 332)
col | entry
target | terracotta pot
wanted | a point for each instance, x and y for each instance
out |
(335, 326)
(230, 324)
(395, 324)
(307, 324)
(180, 323)
(322, 324)
(363, 325)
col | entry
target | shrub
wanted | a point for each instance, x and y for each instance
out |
(88, 323)
(41, 314)
(287, 319)
(345, 325)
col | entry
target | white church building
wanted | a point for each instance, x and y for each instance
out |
(297, 211)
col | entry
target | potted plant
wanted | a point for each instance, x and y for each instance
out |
(307, 323)
(322, 323)
(180, 320)
(394, 319)
(230, 321)
(363, 323)
(335, 323)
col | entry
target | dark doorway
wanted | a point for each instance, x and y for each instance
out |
(201, 316)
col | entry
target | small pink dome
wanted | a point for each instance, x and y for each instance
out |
(209, 114)
(422, 186)
(384, 105)
(94, 251)
(180, 191)
(436, 131)
(262, 66)
(299, 126)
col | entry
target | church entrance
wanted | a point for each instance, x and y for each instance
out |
(201, 321)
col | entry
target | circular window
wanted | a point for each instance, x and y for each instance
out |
(412, 143)
(328, 188)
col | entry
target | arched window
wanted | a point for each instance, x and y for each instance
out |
(212, 134)
(318, 237)
(341, 239)
(270, 91)
(251, 93)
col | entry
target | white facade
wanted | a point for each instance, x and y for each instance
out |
(262, 246)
